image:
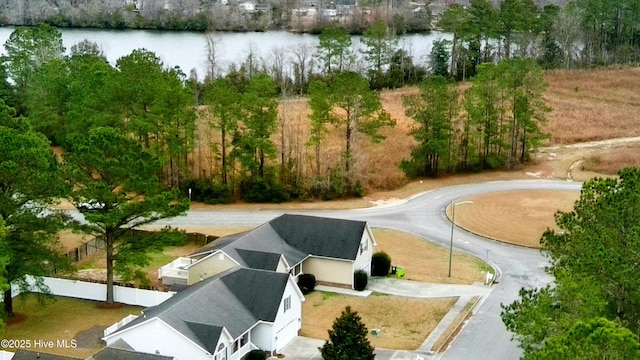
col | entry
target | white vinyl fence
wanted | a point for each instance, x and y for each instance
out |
(95, 291)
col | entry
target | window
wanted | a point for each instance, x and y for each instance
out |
(222, 353)
(364, 246)
(296, 270)
(287, 303)
(238, 344)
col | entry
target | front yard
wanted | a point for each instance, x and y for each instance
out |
(63, 319)
(404, 322)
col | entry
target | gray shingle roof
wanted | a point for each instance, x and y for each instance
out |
(110, 353)
(259, 259)
(293, 236)
(320, 236)
(236, 300)
(21, 354)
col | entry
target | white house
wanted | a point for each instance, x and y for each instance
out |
(247, 6)
(223, 318)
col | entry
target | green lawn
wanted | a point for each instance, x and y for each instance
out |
(63, 319)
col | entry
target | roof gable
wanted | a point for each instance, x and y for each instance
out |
(259, 259)
(321, 236)
(206, 333)
(259, 293)
(235, 300)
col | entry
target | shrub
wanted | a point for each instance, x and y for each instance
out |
(256, 355)
(360, 280)
(264, 190)
(380, 264)
(208, 192)
(306, 283)
(348, 339)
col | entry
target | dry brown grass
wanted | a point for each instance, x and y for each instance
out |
(611, 161)
(517, 217)
(405, 322)
(587, 105)
(428, 262)
(593, 104)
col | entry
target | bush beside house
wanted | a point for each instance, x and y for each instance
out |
(380, 264)
(360, 280)
(306, 283)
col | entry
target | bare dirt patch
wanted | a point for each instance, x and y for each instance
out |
(400, 329)
(516, 217)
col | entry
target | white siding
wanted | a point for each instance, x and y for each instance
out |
(288, 322)
(262, 337)
(363, 259)
(273, 337)
(156, 335)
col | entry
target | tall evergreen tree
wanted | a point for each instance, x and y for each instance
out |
(379, 45)
(348, 339)
(30, 182)
(116, 186)
(434, 112)
(439, 58)
(224, 102)
(334, 50)
(253, 145)
(27, 49)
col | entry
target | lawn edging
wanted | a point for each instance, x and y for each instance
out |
(455, 327)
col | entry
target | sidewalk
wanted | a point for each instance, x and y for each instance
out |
(302, 348)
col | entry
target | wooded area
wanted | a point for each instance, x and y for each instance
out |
(138, 138)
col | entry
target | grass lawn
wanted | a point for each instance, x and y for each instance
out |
(405, 322)
(63, 319)
(428, 262)
(516, 217)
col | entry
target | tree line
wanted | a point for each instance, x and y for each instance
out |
(218, 136)
(205, 15)
(581, 34)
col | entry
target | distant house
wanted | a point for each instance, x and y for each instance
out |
(223, 317)
(330, 249)
(247, 6)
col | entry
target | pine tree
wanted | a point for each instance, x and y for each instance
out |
(348, 339)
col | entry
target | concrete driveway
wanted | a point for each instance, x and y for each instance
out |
(303, 348)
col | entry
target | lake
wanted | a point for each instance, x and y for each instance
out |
(188, 49)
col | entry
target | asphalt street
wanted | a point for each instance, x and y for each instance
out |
(485, 336)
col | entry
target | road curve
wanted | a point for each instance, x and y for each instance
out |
(485, 336)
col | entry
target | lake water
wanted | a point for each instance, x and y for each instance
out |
(188, 49)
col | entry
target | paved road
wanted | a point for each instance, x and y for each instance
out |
(484, 337)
